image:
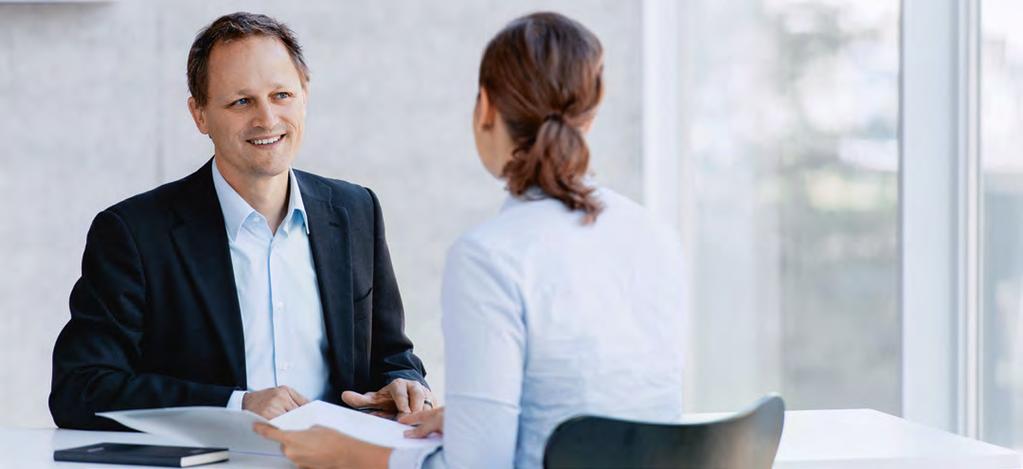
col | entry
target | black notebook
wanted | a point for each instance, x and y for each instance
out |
(144, 455)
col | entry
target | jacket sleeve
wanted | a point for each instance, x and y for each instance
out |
(391, 350)
(96, 356)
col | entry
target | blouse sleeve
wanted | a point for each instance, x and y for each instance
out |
(484, 341)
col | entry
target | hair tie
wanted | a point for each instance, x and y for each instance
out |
(554, 116)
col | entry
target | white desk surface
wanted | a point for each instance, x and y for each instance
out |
(861, 438)
(820, 439)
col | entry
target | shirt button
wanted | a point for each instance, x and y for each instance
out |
(279, 305)
(284, 366)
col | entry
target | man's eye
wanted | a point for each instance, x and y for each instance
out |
(282, 95)
(241, 102)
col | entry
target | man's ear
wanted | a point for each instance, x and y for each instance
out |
(485, 113)
(198, 115)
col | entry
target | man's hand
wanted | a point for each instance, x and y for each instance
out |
(426, 422)
(271, 402)
(400, 397)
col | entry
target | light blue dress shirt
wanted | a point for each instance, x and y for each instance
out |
(282, 317)
(545, 318)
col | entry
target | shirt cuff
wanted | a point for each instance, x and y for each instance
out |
(408, 458)
(235, 402)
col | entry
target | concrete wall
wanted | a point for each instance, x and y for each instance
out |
(92, 110)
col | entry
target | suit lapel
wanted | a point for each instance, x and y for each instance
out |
(329, 241)
(201, 241)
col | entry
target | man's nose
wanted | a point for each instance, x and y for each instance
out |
(265, 116)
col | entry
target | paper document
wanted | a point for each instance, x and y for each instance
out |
(229, 428)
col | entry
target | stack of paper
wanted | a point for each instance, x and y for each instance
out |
(228, 428)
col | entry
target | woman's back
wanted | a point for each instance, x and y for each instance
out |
(590, 315)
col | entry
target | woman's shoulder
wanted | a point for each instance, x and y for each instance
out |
(527, 227)
(492, 237)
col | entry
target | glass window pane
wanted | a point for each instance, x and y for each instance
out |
(791, 141)
(1001, 128)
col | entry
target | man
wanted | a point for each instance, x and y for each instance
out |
(246, 284)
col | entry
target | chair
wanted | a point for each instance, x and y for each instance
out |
(746, 440)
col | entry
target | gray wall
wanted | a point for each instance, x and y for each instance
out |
(93, 111)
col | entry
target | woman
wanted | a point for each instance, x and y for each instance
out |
(567, 302)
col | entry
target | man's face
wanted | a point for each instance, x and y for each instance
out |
(256, 109)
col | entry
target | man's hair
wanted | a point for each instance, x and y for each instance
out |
(232, 27)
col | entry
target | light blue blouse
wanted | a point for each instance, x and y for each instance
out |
(545, 318)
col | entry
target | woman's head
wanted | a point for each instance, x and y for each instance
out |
(540, 85)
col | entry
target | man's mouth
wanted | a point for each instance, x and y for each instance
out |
(266, 141)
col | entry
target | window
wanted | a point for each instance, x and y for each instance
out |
(1001, 128)
(789, 203)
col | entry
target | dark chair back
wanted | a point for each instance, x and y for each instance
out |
(746, 440)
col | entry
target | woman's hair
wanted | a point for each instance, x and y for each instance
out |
(542, 72)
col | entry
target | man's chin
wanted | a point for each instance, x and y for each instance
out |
(269, 165)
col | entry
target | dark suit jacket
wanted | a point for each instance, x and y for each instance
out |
(155, 320)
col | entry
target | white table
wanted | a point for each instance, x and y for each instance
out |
(819, 439)
(33, 448)
(861, 438)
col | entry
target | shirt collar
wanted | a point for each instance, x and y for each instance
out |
(534, 192)
(237, 210)
(530, 194)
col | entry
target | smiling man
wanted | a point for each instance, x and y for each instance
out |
(247, 284)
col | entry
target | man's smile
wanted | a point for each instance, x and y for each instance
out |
(266, 141)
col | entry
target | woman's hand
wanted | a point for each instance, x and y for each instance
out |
(427, 422)
(323, 448)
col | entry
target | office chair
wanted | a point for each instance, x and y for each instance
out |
(746, 440)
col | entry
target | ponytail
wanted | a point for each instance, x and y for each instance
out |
(556, 162)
